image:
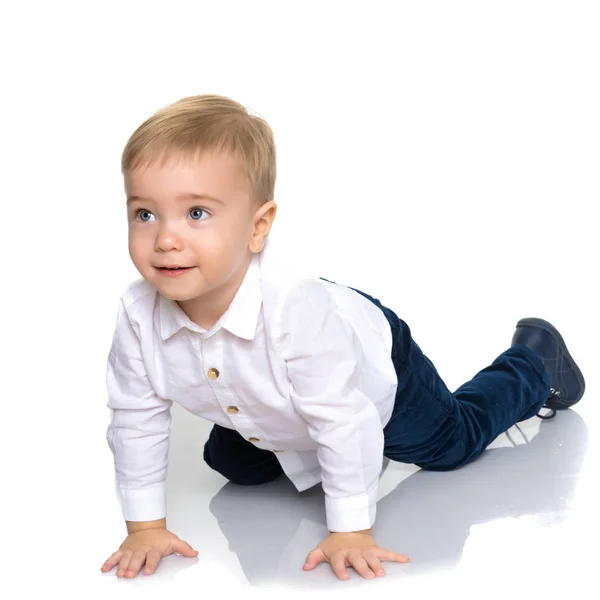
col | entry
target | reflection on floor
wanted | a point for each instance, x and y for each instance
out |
(526, 481)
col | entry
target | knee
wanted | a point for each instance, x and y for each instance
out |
(218, 464)
(236, 473)
(449, 463)
(441, 467)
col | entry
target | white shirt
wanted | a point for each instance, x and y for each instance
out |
(306, 363)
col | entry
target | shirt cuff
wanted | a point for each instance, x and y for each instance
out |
(352, 513)
(145, 504)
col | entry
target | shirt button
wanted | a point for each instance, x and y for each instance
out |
(213, 373)
(233, 410)
(253, 439)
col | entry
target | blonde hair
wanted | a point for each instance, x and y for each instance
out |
(207, 123)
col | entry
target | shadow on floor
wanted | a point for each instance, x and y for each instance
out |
(272, 527)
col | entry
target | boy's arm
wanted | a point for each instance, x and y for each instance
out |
(323, 358)
(138, 435)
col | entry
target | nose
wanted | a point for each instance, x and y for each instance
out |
(168, 239)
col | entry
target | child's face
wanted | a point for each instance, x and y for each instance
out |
(167, 226)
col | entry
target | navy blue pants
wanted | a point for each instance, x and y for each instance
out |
(431, 427)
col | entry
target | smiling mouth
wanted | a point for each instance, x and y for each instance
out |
(173, 270)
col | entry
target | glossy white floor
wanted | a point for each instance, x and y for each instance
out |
(446, 151)
(518, 519)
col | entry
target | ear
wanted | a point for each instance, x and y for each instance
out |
(263, 221)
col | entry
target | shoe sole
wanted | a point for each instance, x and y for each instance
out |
(532, 322)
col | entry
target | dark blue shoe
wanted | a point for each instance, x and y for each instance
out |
(566, 379)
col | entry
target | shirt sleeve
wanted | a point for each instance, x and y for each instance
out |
(138, 435)
(323, 358)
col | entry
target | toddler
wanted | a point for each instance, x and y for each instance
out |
(301, 376)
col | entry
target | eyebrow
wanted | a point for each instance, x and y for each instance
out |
(181, 197)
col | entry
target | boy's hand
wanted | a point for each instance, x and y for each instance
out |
(357, 549)
(146, 546)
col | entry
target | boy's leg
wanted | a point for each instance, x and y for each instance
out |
(438, 430)
(228, 453)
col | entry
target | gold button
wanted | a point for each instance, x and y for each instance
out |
(253, 439)
(233, 410)
(213, 373)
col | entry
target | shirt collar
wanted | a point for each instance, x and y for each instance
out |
(241, 318)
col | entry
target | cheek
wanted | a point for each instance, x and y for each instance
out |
(137, 245)
(207, 239)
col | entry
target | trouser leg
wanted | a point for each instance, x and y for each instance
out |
(440, 430)
(228, 453)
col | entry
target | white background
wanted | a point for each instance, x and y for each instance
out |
(441, 156)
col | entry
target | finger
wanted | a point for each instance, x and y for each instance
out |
(152, 560)
(136, 562)
(313, 559)
(338, 564)
(375, 565)
(384, 554)
(111, 561)
(184, 548)
(360, 565)
(124, 563)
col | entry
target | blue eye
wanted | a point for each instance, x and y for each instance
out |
(193, 210)
(197, 209)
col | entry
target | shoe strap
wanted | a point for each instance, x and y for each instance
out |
(553, 394)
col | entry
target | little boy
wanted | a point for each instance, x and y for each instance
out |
(300, 376)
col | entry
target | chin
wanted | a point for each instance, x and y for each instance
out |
(185, 295)
(177, 296)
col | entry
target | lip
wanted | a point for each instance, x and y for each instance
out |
(173, 273)
(171, 266)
